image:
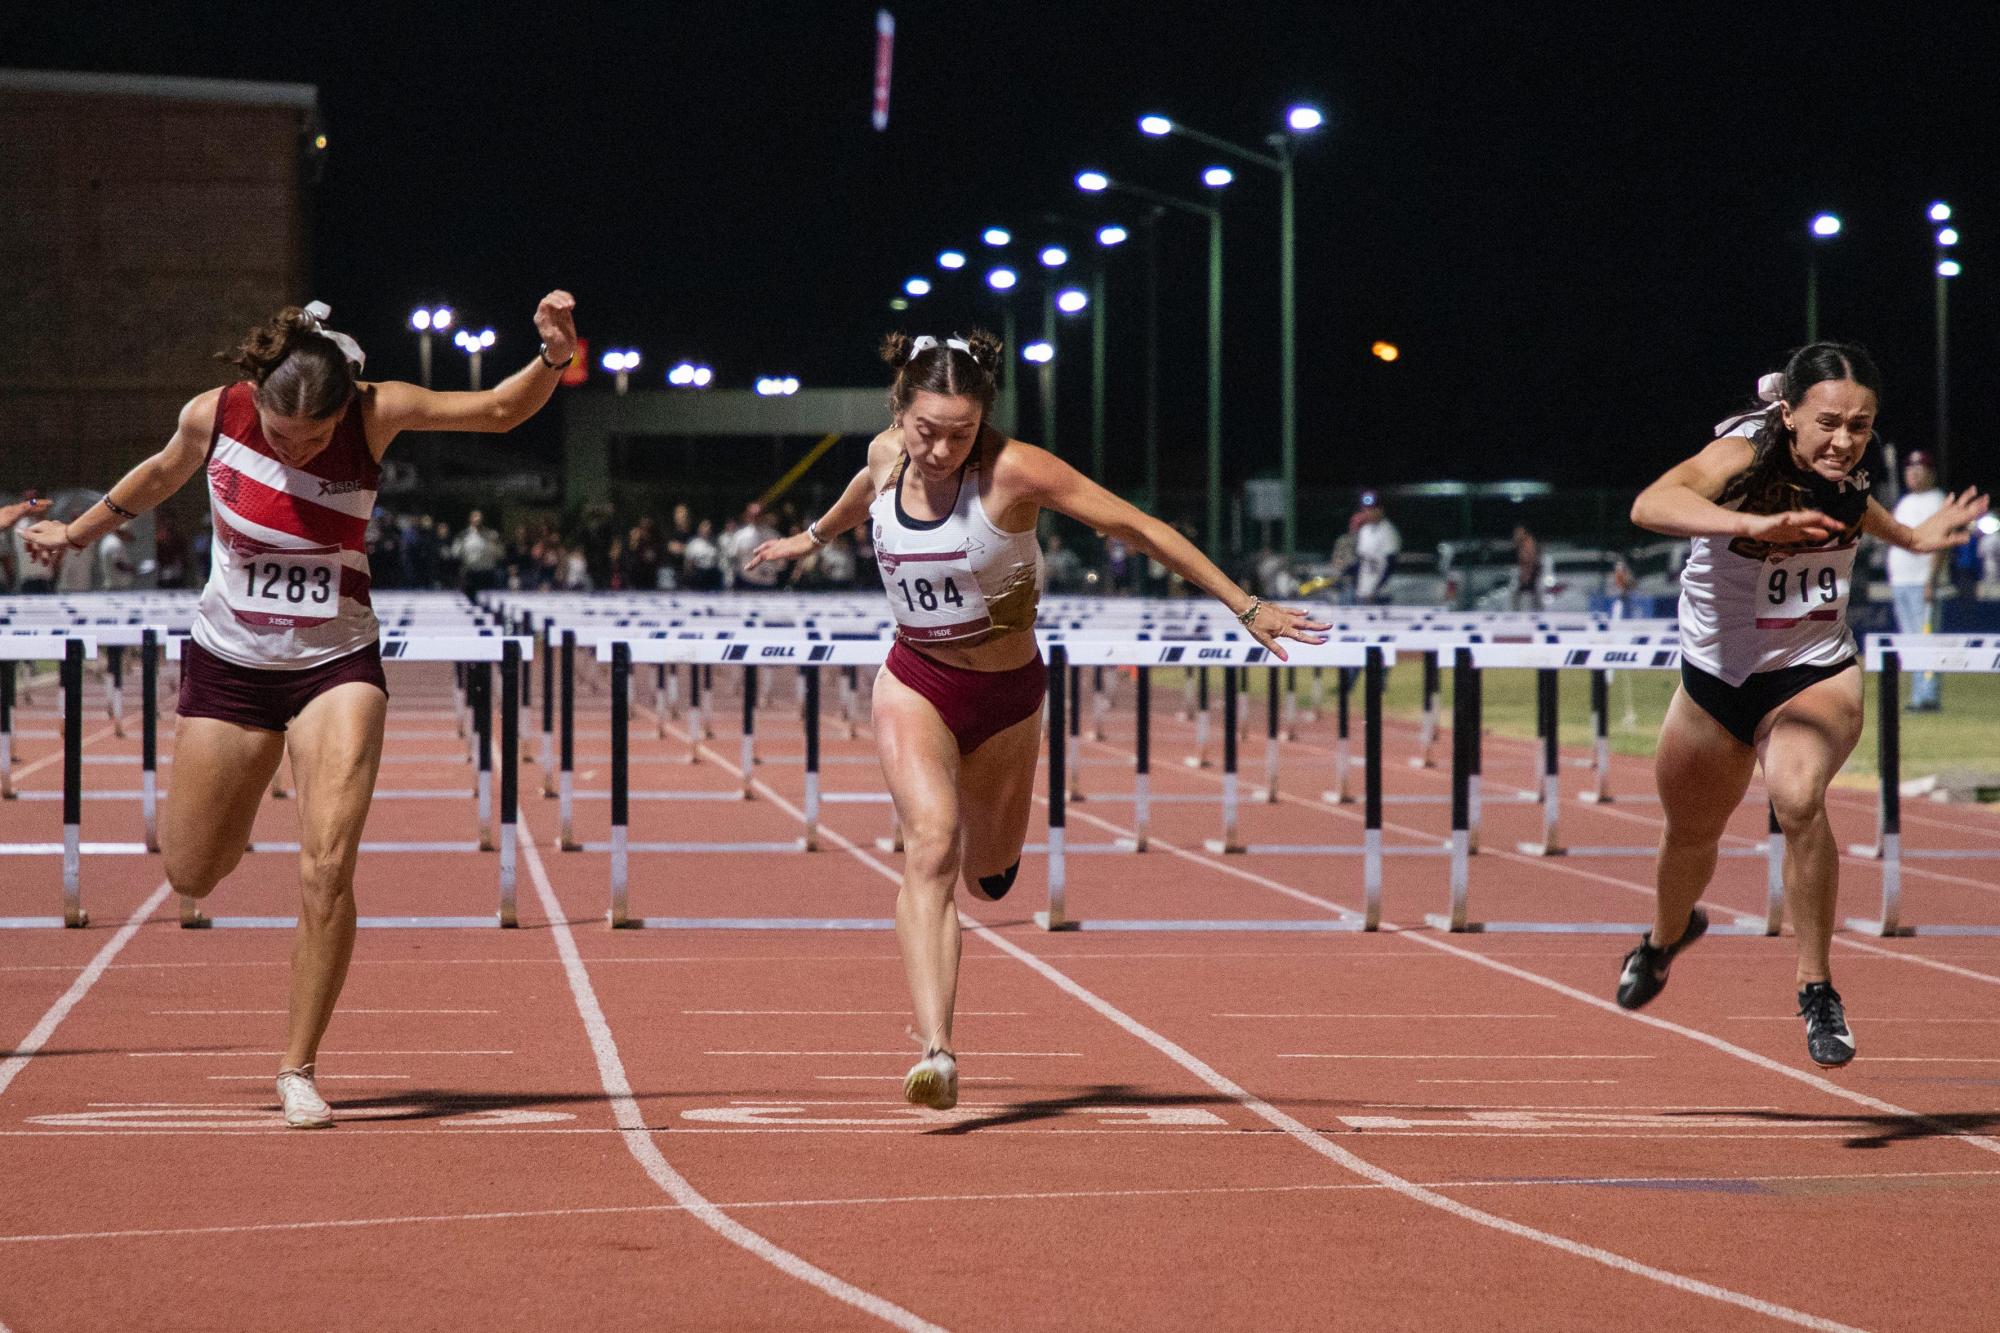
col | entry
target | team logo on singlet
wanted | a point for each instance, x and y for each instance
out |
(341, 487)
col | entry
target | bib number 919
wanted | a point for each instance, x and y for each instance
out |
(1803, 584)
(292, 585)
(923, 594)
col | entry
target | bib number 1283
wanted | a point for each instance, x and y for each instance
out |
(274, 582)
(922, 594)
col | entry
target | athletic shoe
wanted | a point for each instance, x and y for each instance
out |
(933, 1082)
(304, 1107)
(1645, 973)
(1828, 1041)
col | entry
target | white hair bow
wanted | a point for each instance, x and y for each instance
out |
(317, 314)
(1770, 392)
(923, 342)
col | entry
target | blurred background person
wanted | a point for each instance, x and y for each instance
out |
(1376, 546)
(1526, 594)
(1914, 579)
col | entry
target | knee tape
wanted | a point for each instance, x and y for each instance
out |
(992, 888)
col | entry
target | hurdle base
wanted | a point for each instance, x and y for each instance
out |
(1541, 849)
(891, 845)
(1901, 931)
(1884, 929)
(754, 923)
(1194, 761)
(1421, 761)
(1349, 925)
(1049, 922)
(1597, 798)
(1442, 922)
(1867, 851)
(1224, 846)
(1337, 798)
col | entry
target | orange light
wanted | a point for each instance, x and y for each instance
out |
(1386, 351)
(319, 142)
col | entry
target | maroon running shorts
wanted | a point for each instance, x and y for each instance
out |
(975, 705)
(268, 700)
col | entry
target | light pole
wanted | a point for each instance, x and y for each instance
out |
(1107, 237)
(428, 322)
(1053, 258)
(621, 362)
(1824, 227)
(1298, 120)
(1097, 182)
(472, 344)
(1946, 268)
(1003, 280)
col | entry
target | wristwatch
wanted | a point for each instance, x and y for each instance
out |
(543, 355)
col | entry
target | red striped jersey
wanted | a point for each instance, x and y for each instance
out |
(288, 581)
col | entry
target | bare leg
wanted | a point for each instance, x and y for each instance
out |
(920, 761)
(1803, 743)
(1702, 772)
(336, 746)
(220, 772)
(996, 786)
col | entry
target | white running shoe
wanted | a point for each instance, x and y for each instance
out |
(933, 1082)
(304, 1107)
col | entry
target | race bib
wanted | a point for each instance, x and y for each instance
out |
(288, 589)
(1809, 585)
(934, 595)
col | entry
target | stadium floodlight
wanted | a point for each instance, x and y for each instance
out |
(1002, 279)
(1155, 125)
(1054, 256)
(918, 286)
(1826, 224)
(996, 236)
(1386, 351)
(1949, 268)
(1304, 118)
(1947, 236)
(1095, 182)
(1038, 352)
(420, 320)
(951, 259)
(1112, 235)
(1217, 177)
(1940, 211)
(1070, 300)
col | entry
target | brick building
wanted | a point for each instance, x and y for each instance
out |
(145, 223)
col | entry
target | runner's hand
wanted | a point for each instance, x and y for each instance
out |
(555, 321)
(1273, 622)
(1794, 527)
(795, 547)
(1951, 525)
(48, 542)
(14, 513)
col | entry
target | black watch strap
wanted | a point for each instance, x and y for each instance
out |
(543, 356)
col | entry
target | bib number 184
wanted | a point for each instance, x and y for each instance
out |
(922, 594)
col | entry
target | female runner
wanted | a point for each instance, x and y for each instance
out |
(1768, 667)
(954, 504)
(284, 649)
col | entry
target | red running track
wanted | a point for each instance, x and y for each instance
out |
(562, 1125)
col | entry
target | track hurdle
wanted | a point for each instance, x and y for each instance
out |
(1889, 655)
(512, 654)
(73, 651)
(1232, 658)
(622, 654)
(1547, 659)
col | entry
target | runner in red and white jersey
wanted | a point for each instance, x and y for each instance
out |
(285, 654)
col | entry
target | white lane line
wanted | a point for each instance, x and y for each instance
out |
(638, 1139)
(319, 1078)
(1318, 1142)
(1564, 1106)
(38, 1036)
(1932, 963)
(1873, 1019)
(1345, 1016)
(55, 756)
(898, 1078)
(1036, 1196)
(231, 1055)
(1319, 1055)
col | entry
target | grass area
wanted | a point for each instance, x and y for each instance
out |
(1966, 734)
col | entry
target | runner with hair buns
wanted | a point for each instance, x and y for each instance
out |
(954, 503)
(284, 651)
(1776, 506)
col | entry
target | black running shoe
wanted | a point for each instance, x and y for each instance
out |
(1828, 1041)
(1645, 973)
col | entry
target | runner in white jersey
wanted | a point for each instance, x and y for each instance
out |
(954, 504)
(1775, 507)
(284, 653)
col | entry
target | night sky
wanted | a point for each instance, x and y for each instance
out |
(1584, 228)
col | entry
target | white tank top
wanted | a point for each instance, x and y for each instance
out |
(957, 579)
(288, 583)
(1748, 606)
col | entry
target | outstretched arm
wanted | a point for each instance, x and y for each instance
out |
(1950, 526)
(849, 511)
(394, 407)
(1039, 476)
(139, 490)
(1682, 503)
